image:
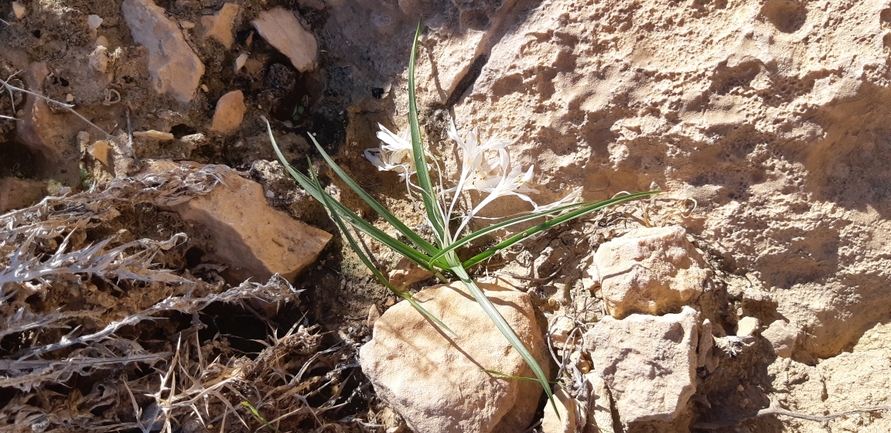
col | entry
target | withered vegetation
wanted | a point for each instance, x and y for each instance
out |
(104, 330)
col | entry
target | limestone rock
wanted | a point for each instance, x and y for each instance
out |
(285, 32)
(17, 193)
(647, 362)
(174, 67)
(219, 26)
(747, 326)
(650, 270)
(253, 238)
(229, 112)
(849, 381)
(571, 418)
(436, 382)
(599, 408)
(782, 337)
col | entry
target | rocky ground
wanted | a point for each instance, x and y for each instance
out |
(161, 272)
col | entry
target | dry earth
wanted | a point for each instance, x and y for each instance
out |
(764, 121)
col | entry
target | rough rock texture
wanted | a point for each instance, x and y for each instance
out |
(175, 68)
(649, 271)
(648, 363)
(253, 238)
(285, 32)
(572, 416)
(782, 337)
(770, 114)
(18, 193)
(437, 383)
(229, 112)
(219, 25)
(845, 382)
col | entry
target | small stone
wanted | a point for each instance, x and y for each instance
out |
(219, 26)
(570, 414)
(406, 273)
(782, 337)
(651, 270)
(240, 61)
(94, 21)
(648, 363)
(747, 327)
(284, 31)
(99, 59)
(18, 10)
(174, 67)
(229, 112)
(101, 150)
(436, 381)
(154, 135)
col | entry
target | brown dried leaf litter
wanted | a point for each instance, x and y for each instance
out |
(97, 334)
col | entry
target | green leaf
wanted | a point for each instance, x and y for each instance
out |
(528, 217)
(318, 192)
(506, 330)
(551, 223)
(374, 204)
(431, 205)
(329, 203)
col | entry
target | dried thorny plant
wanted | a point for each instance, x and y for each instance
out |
(97, 335)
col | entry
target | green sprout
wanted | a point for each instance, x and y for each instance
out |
(259, 417)
(440, 256)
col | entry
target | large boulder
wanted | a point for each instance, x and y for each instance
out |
(436, 381)
(650, 270)
(647, 362)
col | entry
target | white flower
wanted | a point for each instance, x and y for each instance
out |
(487, 168)
(395, 153)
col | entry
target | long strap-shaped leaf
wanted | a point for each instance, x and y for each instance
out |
(379, 208)
(589, 205)
(505, 329)
(431, 204)
(551, 223)
(317, 192)
(329, 204)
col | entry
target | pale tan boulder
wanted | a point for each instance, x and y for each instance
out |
(650, 270)
(284, 31)
(647, 362)
(436, 382)
(250, 236)
(229, 112)
(174, 67)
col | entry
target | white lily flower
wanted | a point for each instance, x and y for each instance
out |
(394, 154)
(487, 168)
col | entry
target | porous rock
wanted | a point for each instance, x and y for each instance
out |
(281, 28)
(647, 362)
(174, 67)
(229, 112)
(650, 270)
(436, 381)
(249, 235)
(782, 337)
